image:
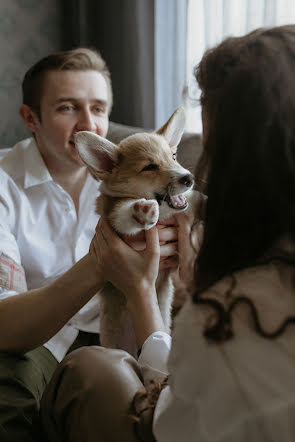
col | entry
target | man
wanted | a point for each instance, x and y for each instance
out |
(48, 279)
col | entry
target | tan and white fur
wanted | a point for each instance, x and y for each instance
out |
(141, 183)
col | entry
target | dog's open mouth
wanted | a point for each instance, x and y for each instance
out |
(177, 202)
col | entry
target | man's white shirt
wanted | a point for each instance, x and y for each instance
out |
(40, 230)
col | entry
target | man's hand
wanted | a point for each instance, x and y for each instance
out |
(168, 238)
(124, 267)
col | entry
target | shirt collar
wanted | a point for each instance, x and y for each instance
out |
(36, 171)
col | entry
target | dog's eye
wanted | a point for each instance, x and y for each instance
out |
(174, 156)
(151, 166)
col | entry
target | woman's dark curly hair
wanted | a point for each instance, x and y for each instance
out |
(248, 163)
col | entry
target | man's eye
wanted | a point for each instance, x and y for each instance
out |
(66, 108)
(151, 166)
(174, 156)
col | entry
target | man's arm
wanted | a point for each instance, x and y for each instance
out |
(29, 319)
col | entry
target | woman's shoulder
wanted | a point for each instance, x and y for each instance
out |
(267, 288)
(237, 307)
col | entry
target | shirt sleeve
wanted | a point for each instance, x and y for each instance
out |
(6, 293)
(154, 356)
(176, 420)
(12, 275)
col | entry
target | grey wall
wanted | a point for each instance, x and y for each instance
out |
(29, 29)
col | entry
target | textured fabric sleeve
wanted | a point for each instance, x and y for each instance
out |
(176, 420)
(12, 275)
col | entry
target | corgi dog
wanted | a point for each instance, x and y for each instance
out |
(141, 183)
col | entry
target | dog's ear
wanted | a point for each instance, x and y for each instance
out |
(98, 153)
(172, 131)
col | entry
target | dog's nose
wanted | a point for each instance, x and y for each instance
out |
(186, 180)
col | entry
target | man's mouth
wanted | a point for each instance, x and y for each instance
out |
(177, 202)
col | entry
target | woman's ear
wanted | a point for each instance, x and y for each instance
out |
(30, 118)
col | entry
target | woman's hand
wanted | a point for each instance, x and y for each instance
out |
(168, 234)
(190, 239)
(128, 269)
(168, 238)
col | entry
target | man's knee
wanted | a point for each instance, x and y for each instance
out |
(98, 367)
(92, 390)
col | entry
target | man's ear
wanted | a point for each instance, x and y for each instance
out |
(98, 153)
(30, 118)
(172, 131)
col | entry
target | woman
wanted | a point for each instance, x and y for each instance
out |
(231, 366)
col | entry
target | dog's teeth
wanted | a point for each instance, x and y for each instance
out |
(178, 200)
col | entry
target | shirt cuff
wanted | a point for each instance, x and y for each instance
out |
(6, 293)
(153, 357)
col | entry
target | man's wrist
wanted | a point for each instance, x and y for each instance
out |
(95, 273)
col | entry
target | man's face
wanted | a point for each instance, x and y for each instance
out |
(71, 101)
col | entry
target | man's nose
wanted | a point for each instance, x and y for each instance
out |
(86, 121)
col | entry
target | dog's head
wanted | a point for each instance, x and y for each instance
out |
(143, 165)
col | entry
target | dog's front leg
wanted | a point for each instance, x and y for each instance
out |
(131, 216)
(165, 292)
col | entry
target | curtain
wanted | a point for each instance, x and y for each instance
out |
(211, 21)
(144, 45)
(170, 56)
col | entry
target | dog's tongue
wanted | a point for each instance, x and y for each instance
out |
(178, 201)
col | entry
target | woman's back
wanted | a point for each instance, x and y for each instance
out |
(241, 389)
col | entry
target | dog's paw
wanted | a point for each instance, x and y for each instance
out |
(145, 213)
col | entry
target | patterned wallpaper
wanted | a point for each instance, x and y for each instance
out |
(29, 30)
